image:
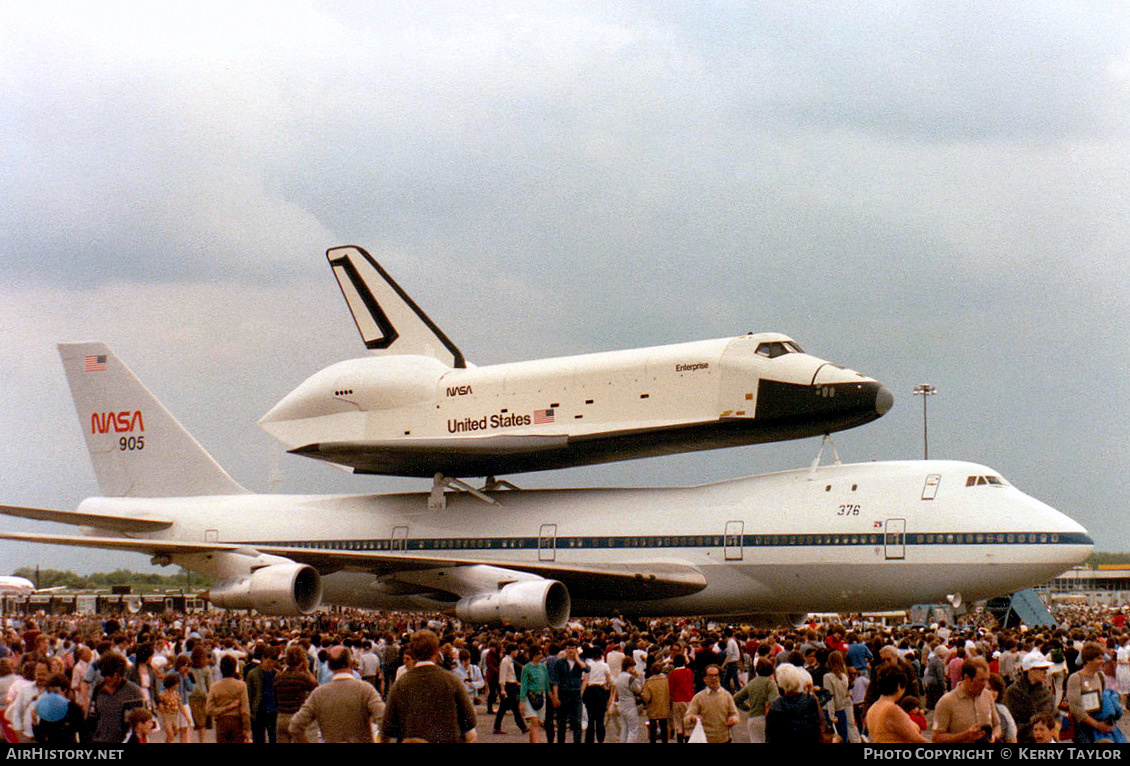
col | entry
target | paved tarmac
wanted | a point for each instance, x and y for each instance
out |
(512, 735)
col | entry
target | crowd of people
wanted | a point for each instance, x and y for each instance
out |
(351, 676)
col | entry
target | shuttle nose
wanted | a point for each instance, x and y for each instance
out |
(845, 389)
(290, 421)
(884, 400)
(296, 405)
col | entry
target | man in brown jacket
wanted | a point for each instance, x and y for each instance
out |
(657, 698)
(428, 703)
(292, 687)
(228, 704)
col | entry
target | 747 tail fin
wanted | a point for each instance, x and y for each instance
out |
(388, 320)
(138, 448)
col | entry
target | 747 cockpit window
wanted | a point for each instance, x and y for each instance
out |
(980, 481)
(778, 348)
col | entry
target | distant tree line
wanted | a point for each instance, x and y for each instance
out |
(139, 582)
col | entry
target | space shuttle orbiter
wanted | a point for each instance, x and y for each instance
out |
(417, 408)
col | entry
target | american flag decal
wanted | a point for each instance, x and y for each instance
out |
(94, 363)
(543, 416)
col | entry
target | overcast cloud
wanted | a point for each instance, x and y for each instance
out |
(924, 192)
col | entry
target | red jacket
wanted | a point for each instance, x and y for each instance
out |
(681, 683)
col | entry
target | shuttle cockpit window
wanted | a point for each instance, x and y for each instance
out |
(775, 349)
(985, 481)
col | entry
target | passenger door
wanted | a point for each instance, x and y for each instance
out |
(894, 539)
(547, 542)
(735, 531)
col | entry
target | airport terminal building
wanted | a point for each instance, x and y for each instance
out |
(1109, 585)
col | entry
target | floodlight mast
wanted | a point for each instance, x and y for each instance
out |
(924, 390)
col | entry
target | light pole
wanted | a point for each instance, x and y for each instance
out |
(924, 391)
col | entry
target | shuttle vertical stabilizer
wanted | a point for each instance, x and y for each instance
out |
(387, 318)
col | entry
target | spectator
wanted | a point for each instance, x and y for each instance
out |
(429, 703)
(345, 708)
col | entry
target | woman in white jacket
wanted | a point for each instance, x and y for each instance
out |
(628, 685)
(836, 681)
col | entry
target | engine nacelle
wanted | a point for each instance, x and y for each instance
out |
(528, 605)
(287, 590)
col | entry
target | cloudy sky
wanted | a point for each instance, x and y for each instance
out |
(928, 193)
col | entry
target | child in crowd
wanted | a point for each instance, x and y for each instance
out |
(913, 709)
(1045, 728)
(141, 725)
(169, 706)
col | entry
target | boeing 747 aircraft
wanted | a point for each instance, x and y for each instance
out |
(417, 408)
(834, 538)
(16, 586)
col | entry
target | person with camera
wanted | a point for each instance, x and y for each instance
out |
(968, 713)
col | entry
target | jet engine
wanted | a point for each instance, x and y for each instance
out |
(287, 590)
(530, 604)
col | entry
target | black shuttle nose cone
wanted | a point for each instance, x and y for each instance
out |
(859, 401)
(884, 400)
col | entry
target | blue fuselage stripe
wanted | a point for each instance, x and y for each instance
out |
(833, 540)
